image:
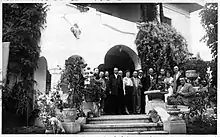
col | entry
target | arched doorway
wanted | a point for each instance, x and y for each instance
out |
(122, 57)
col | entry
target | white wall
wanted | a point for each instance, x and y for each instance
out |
(100, 32)
(180, 21)
(40, 75)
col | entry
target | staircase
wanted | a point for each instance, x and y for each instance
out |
(122, 124)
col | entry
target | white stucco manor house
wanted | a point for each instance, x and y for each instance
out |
(106, 35)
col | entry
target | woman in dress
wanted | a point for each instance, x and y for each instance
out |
(103, 87)
(128, 89)
(169, 84)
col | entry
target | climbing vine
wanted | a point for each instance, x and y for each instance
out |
(22, 25)
(160, 46)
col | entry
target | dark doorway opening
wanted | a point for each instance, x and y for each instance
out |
(117, 57)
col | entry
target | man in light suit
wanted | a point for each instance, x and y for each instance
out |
(176, 79)
(136, 99)
(183, 96)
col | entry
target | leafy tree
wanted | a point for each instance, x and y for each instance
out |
(209, 20)
(22, 25)
(160, 46)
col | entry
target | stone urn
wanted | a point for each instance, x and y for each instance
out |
(191, 74)
(69, 114)
(174, 112)
(174, 124)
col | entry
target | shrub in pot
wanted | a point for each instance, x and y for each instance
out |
(72, 76)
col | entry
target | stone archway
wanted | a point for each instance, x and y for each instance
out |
(122, 57)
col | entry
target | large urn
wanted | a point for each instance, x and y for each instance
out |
(191, 74)
(69, 114)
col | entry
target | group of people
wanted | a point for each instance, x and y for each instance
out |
(125, 95)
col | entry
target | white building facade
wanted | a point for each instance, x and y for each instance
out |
(107, 34)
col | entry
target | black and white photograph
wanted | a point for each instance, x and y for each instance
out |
(115, 68)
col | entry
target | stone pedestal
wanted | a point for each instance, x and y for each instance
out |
(174, 124)
(154, 103)
(81, 120)
(150, 104)
(71, 127)
(175, 127)
(90, 107)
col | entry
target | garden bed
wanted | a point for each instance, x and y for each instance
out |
(200, 128)
(24, 130)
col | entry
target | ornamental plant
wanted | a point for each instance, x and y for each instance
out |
(48, 106)
(22, 24)
(160, 46)
(93, 91)
(199, 121)
(209, 21)
(73, 77)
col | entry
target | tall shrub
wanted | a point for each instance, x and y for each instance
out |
(209, 21)
(160, 46)
(22, 25)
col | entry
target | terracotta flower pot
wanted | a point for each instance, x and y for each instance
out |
(69, 114)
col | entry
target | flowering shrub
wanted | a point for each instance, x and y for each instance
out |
(48, 105)
(93, 91)
(199, 120)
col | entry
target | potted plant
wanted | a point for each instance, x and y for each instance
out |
(92, 92)
(72, 76)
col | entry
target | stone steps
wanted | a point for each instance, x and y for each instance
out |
(124, 133)
(122, 127)
(122, 124)
(119, 119)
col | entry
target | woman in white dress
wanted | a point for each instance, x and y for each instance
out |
(128, 89)
(169, 84)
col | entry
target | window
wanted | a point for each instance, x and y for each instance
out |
(167, 20)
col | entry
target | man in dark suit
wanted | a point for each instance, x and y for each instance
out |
(116, 92)
(148, 80)
(145, 81)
